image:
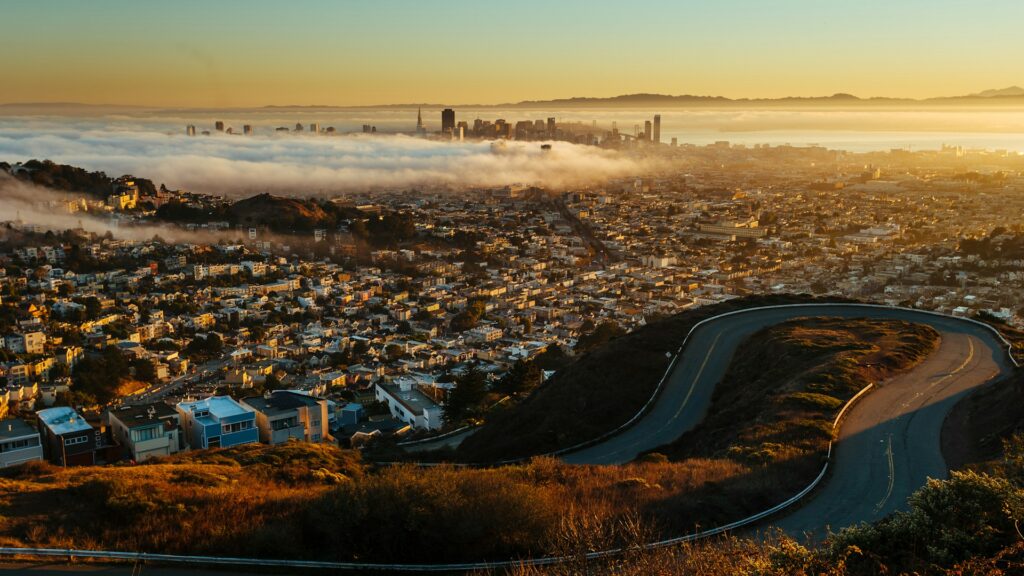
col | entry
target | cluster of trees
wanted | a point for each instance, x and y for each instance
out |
(988, 248)
(465, 399)
(385, 230)
(470, 392)
(523, 377)
(598, 335)
(96, 378)
(205, 346)
(176, 211)
(73, 179)
(471, 316)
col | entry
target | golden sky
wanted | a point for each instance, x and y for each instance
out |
(221, 54)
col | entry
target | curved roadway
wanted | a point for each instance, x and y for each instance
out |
(889, 442)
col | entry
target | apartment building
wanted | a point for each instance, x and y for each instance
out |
(146, 431)
(19, 443)
(68, 440)
(217, 422)
(285, 414)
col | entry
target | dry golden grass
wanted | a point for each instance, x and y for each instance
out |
(304, 500)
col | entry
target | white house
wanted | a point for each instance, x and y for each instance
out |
(407, 404)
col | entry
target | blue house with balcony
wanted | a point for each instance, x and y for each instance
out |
(217, 422)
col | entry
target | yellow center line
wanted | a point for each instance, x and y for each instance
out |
(892, 477)
(689, 393)
(888, 450)
(696, 378)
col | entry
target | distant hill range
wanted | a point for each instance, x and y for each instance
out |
(1012, 96)
(1012, 91)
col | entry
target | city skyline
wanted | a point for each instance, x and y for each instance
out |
(397, 52)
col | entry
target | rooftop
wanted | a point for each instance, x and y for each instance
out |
(142, 414)
(417, 402)
(280, 402)
(15, 428)
(63, 420)
(218, 406)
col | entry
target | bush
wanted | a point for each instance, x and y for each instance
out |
(948, 522)
(407, 514)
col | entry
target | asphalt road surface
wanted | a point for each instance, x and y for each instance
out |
(889, 442)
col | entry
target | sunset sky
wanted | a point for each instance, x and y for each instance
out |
(219, 54)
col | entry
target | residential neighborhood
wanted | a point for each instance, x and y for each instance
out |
(130, 349)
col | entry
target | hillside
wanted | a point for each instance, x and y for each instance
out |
(600, 391)
(280, 214)
(283, 214)
(68, 178)
(794, 378)
(977, 427)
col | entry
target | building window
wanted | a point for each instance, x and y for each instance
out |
(145, 434)
(284, 423)
(76, 440)
(19, 444)
(236, 427)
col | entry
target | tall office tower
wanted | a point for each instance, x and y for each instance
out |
(366, 128)
(462, 131)
(551, 128)
(314, 128)
(657, 128)
(299, 127)
(247, 129)
(190, 130)
(419, 120)
(647, 130)
(448, 121)
(218, 126)
(478, 126)
(675, 141)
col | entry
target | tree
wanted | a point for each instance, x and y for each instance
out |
(145, 370)
(98, 377)
(552, 358)
(360, 348)
(393, 352)
(602, 334)
(522, 377)
(208, 346)
(470, 389)
(469, 317)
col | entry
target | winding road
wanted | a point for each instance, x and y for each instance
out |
(889, 442)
